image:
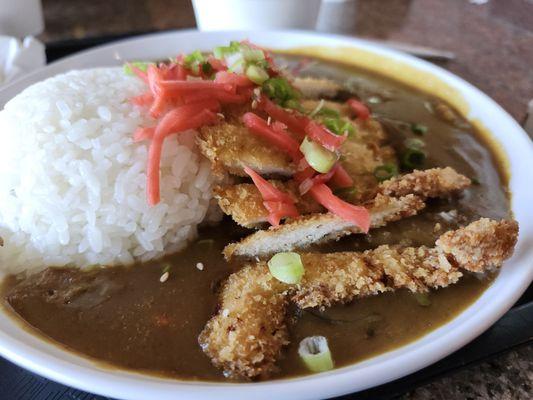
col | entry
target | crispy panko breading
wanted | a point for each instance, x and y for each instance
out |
(315, 88)
(245, 204)
(316, 228)
(435, 182)
(230, 147)
(481, 244)
(341, 277)
(247, 334)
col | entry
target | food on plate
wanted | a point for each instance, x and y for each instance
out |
(246, 336)
(73, 179)
(241, 215)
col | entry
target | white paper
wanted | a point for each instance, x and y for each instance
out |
(18, 58)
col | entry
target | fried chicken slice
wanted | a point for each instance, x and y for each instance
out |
(316, 88)
(230, 147)
(481, 244)
(316, 228)
(435, 182)
(244, 203)
(340, 277)
(246, 336)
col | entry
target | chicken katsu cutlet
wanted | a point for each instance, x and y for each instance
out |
(246, 336)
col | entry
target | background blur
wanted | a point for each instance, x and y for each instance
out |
(492, 40)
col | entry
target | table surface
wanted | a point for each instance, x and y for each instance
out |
(493, 44)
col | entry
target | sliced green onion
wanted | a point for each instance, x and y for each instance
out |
(413, 158)
(143, 66)
(475, 181)
(294, 104)
(347, 193)
(414, 143)
(237, 66)
(339, 126)
(319, 158)
(422, 299)
(207, 68)
(329, 112)
(280, 90)
(286, 267)
(222, 51)
(385, 172)
(314, 352)
(195, 56)
(317, 109)
(250, 54)
(166, 267)
(419, 129)
(219, 52)
(256, 74)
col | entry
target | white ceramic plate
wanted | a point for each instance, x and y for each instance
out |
(50, 361)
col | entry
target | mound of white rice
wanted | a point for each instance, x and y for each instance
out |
(72, 182)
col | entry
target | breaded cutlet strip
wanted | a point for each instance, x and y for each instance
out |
(340, 277)
(481, 244)
(247, 334)
(230, 147)
(246, 340)
(244, 203)
(435, 182)
(316, 88)
(316, 228)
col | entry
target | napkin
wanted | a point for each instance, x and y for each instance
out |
(18, 57)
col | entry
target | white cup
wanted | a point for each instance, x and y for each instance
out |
(256, 14)
(20, 18)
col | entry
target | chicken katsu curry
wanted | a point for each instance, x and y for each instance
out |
(243, 215)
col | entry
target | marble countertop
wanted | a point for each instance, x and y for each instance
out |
(493, 44)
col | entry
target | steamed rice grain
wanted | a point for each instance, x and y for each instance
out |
(73, 183)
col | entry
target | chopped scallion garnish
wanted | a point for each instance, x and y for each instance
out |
(281, 91)
(414, 143)
(166, 267)
(319, 158)
(347, 193)
(314, 352)
(413, 158)
(339, 126)
(419, 129)
(329, 112)
(286, 267)
(143, 66)
(422, 299)
(256, 74)
(385, 172)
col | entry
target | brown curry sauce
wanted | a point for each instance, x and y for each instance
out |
(126, 317)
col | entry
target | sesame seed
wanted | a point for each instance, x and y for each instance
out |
(225, 313)
(200, 266)
(164, 277)
(269, 121)
(221, 115)
(254, 104)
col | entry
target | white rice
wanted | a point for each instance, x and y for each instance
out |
(72, 182)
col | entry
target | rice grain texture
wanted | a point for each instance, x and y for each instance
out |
(73, 182)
